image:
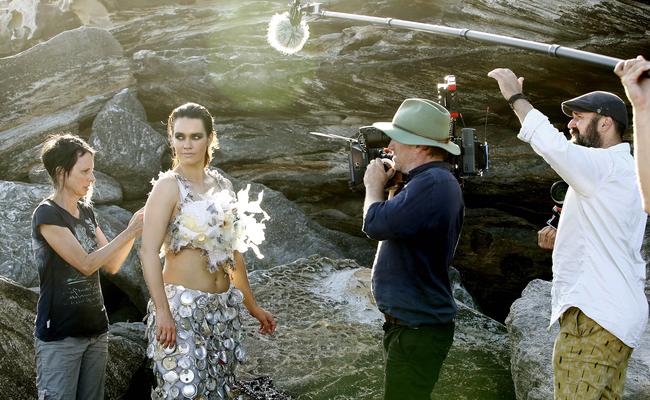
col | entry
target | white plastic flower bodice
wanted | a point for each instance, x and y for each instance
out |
(217, 222)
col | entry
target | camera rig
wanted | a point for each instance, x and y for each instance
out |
(371, 143)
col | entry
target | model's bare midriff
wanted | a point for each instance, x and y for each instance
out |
(189, 268)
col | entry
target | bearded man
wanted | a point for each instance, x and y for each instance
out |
(598, 272)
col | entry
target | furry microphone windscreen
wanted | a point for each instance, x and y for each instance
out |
(286, 37)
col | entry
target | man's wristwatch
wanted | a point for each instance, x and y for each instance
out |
(515, 97)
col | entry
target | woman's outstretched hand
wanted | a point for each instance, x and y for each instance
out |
(267, 322)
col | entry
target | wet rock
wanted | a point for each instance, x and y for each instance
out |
(126, 145)
(106, 190)
(328, 341)
(58, 85)
(531, 347)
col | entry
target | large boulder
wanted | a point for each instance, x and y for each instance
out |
(17, 361)
(17, 368)
(291, 235)
(126, 349)
(531, 346)
(126, 145)
(17, 203)
(58, 85)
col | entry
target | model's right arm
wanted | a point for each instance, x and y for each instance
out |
(158, 212)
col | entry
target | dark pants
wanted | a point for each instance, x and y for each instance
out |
(412, 359)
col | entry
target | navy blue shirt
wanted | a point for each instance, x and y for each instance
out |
(418, 231)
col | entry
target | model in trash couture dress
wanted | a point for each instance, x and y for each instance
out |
(197, 355)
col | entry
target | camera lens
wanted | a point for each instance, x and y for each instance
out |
(558, 191)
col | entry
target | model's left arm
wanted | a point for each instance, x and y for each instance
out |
(240, 280)
(637, 88)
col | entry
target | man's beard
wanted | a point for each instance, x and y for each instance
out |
(590, 138)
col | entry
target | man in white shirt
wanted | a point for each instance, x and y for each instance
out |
(598, 273)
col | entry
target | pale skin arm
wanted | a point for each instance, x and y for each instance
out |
(546, 237)
(510, 85)
(110, 255)
(115, 263)
(240, 280)
(637, 89)
(158, 211)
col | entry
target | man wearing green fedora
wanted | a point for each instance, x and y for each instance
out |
(418, 230)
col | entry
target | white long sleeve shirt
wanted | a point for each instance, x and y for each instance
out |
(597, 263)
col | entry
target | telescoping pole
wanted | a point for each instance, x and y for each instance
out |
(550, 49)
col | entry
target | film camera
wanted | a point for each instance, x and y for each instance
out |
(370, 143)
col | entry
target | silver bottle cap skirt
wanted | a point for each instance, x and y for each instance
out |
(208, 345)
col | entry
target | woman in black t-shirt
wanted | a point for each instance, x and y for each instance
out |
(69, 249)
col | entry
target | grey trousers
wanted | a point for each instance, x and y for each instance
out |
(72, 368)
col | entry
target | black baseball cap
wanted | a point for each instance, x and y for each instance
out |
(603, 103)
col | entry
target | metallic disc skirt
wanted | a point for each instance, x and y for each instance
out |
(208, 345)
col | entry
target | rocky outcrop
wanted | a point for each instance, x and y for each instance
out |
(25, 23)
(328, 340)
(291, 235)
(17, 368)
(17, 361)
(531, 347)
(17, 203)
(59, 85)
(497, 255)
(126, 145)
(126, 349)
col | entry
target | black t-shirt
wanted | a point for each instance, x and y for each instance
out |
(70, 304)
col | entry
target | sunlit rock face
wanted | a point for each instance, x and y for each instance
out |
(127, 146)
(24, 23)
(58, 85)
(328, 342)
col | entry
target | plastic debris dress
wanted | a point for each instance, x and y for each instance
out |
(208, 326)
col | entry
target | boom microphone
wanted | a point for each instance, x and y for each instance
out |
(287, 32)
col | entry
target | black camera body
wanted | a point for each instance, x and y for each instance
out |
(558, 192)
(370, 143)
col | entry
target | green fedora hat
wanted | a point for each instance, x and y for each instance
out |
(420, 122)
